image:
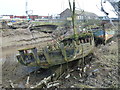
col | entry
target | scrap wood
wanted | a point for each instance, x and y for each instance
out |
(28, 79)
(11, 84)
(67, 76)
(27, 82)
(61, 75)
(52, 84)
(83, 86)
(41, 83)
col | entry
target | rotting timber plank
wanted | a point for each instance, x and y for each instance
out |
(64, 68)
(57, 72)
(83, 86)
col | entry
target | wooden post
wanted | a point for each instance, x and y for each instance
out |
(63, 52)
(83, 61)
(46, 53)
(104, 36)
(35, 54)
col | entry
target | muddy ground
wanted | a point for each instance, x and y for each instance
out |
(100, 72)
(12, 40)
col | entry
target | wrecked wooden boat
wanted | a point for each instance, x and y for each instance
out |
(64, 50)
(47, 28)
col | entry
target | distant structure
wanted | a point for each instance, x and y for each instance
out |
(28, 12)
(12, 17)
(65, 15)
(31, 17)
(80, 15)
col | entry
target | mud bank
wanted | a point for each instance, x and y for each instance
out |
(12, 40)
(101, 72)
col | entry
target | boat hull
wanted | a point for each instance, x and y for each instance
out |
(59, 55)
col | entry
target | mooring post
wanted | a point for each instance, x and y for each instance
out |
(83, 61)
(104, 36)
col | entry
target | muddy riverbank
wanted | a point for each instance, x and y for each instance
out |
(101, 72)
(12, 40)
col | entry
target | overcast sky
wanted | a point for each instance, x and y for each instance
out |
(50, 7)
